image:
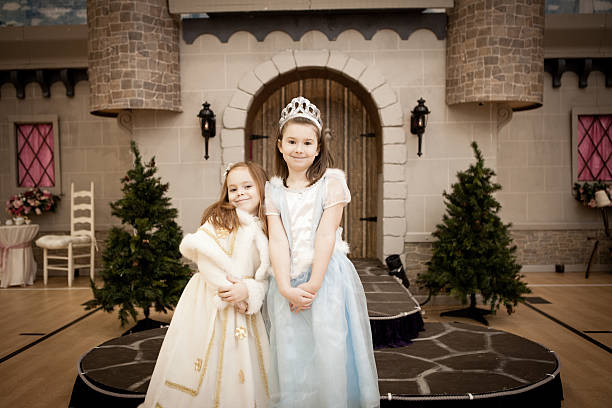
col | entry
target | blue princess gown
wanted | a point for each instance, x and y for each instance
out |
(321, 357)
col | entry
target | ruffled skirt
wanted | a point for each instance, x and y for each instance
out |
(323, 357)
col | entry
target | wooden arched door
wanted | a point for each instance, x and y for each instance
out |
(353, 142)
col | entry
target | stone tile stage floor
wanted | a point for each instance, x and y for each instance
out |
(450, 363)
(447, 365)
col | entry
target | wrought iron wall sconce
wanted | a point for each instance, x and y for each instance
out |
(207, 124)
(418, 121)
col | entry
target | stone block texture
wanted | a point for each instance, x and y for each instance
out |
(133, 56)
(495, 52)
(568, 247)
(417, 256)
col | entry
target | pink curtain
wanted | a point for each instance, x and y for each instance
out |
(35, 155)
(594, 147)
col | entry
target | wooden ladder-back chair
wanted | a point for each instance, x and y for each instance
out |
(78, 238)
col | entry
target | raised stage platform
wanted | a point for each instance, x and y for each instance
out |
(448, 364)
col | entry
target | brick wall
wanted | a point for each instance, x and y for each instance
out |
(542, 249)
(569, 247)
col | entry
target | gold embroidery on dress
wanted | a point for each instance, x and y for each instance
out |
(241, 377)
(222, 232)
(188, 390)
(240, 332)
(229, 251)
(220, 365)
(157, 405)
(248, 323)
(198, 364)
(262, 369)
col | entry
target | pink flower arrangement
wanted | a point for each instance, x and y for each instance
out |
(585, 192)
(31, 202)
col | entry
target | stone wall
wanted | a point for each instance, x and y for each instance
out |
(531, 153)
(535, 159)
(495, 52)
(417, 255)
(537, 251)
(224, 74)
(91, 149)
(568, 247)
(133, 56)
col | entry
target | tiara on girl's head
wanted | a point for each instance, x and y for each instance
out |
(227, 169)
(301, 107)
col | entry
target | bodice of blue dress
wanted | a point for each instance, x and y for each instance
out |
(301, 211)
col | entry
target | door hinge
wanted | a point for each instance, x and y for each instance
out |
(368, 135)
(255, 137)
(369, 219)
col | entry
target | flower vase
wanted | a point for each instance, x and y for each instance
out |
(19, 220)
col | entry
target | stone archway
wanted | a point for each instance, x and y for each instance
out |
(391, 209)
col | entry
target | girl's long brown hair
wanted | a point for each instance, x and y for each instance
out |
(222, 214)
(318, 166)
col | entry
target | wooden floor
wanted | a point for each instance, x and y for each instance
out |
(43, 374)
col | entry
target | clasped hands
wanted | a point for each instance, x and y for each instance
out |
(301, 297)
(236, 294)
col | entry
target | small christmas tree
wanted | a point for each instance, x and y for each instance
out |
(142, 262)
(473, 252)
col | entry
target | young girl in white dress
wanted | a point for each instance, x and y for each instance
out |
(320, 336)
(216, 350)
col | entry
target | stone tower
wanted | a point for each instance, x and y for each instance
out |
(495, 52)
(133, 57)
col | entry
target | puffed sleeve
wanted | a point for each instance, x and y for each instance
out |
(337, 189)
(270, 207)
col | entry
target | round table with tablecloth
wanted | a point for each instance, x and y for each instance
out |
(17, 264)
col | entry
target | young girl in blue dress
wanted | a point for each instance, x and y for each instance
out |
(320, 338)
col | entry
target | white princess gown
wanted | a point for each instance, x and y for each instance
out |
(212, 355)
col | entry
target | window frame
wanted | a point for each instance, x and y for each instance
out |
(34, 119)
(579, 111)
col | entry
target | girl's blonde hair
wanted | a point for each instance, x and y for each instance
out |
(318, 166)
(222, 214)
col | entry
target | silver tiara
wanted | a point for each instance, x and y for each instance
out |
(301, 107)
